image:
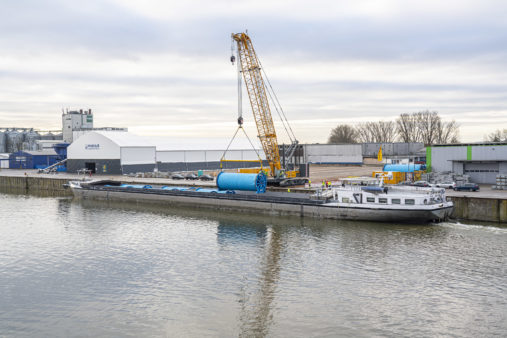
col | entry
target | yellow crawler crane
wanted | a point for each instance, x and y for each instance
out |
(258, 100)
(257, 93)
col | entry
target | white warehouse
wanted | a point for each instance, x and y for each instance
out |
(171, 160)
(111, 152)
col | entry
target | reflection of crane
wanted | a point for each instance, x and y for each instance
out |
(258, 94)
(257, 295)
(256, 314)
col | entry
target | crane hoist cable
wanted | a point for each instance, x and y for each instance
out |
(222, 159)
(278, 107)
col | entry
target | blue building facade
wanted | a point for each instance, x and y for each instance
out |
(32, 159)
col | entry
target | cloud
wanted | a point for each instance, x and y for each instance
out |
(162, 66)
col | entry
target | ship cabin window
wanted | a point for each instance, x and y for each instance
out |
(396, 201)
(409, 201)
(345, 200)
(370, 199)
(382, 200)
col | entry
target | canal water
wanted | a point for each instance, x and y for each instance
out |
(92, 269)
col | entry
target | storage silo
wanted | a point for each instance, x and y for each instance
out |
(14, 140)
(31, 138)
(48, 136)
(2, 142)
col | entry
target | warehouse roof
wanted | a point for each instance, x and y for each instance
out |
(46, 152)
(123, 138)
(470, 144)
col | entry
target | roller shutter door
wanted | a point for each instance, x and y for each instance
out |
(482, 172)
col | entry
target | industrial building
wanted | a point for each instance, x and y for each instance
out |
(4, 161)
(333, 154)
(114, 152)
(38, 159)
(76, 120)
(481, 161)
(111, 152)
(16, 139)
(394, 150)
(76, 123)
(186, 160)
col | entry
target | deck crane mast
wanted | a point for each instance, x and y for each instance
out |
(258, 95)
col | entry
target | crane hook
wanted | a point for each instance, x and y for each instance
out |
(233, 58)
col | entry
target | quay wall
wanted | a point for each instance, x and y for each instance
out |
(479, 209)
(35, 184)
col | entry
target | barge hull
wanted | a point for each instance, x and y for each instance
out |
(272, 208)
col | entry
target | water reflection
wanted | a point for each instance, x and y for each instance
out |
(256, 300)
(117, 269)
(256, 316)
(258, 290)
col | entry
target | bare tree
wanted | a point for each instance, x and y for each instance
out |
(386, 131)
(343, 133)
(376, 132)
(365, 133)
(406, 127)
(426, 127)
(427, 124)
(447, 132)
(497, 136)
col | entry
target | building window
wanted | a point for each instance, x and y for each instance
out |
(409, 201)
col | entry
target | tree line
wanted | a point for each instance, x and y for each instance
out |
(497, 136)
(425, 126)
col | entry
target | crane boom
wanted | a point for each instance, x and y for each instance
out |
(256, 89)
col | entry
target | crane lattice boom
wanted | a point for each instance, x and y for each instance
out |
(254, 82)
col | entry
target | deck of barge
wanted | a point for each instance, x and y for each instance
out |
(270, 196)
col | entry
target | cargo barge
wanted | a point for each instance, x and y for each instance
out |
(365, 203)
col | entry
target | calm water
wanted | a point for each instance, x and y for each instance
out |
(90, 269)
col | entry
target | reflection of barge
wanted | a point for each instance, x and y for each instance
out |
(352, 203)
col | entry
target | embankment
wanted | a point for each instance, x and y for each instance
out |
(480, 209)
(35, 184)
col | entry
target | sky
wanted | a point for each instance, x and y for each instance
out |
(162, 69)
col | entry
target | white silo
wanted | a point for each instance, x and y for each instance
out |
(2, 142)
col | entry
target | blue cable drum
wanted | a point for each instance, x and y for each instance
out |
(248, 182)
(404, 168)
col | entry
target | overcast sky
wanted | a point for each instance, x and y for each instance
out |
(161, 68)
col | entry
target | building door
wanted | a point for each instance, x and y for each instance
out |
(482, 172)
(90, 166)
